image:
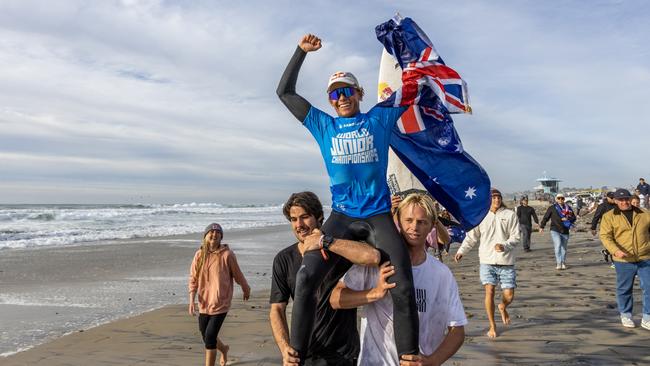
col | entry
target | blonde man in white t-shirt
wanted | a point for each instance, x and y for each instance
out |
(441, 314)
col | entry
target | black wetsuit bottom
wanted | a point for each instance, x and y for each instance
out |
(210, 325)
(380, 231)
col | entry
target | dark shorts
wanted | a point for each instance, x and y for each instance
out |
(210, 325)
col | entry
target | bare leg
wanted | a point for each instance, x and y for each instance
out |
(489, 308)
(210, 357)
(223, 348)
(507, 296)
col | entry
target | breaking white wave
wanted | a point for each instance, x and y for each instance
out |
(30, 226)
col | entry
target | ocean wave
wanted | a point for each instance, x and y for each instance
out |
(30, 226)
(45, 216)
(34, 239)
(52, 302)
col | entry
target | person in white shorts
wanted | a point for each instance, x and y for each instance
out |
(440, 310)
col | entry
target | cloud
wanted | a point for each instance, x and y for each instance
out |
(178, 98)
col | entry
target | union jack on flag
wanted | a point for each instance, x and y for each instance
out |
(423, 70)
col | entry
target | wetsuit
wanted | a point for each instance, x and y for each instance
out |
(355, 151)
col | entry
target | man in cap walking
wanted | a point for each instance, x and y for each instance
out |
(562, 218)
(625, 232)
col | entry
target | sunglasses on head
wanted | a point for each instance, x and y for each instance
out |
(346, 91)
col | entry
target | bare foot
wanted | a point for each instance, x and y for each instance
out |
(504, 314)
(224, 355)
(492, 333)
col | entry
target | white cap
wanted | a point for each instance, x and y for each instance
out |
(559, 195)
(342, 77)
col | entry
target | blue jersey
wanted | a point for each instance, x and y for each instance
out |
(355, 151)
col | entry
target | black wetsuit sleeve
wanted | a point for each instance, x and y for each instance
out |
(296, 104)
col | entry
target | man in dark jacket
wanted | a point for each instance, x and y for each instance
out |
(604, 207)
(525, 213)
(562, 218)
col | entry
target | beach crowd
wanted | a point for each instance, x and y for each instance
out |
(384, 253)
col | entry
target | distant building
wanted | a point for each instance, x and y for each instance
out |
(548, 187)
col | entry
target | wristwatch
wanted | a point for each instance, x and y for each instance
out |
(327, 241)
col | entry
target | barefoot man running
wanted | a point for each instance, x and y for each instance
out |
(497, 236)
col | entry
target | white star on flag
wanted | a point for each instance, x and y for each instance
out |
(470, 192)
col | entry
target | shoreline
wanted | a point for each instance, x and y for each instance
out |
(166, 336)
(51, 292)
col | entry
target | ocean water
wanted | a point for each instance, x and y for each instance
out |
(32, 226)
(69, 267)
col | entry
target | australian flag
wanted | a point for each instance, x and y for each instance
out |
(425, 139)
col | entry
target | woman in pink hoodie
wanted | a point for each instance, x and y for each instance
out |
(211, 277)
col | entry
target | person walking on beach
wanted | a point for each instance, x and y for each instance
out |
(635, 201)
(497, 236)
(638, 200)
(625, 232)
(562, 218)
(212, 272)
(334, 339)
(644, 189)
(604, 207)
(441, 313)
(354, 147)
(526, 215)
(579, 205)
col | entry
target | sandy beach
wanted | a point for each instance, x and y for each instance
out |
(558, 317)
(49, 292)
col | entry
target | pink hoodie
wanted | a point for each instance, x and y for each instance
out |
(215, 282)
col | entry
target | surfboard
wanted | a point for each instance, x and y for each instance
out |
(400, 179)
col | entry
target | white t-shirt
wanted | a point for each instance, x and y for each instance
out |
(438, 303)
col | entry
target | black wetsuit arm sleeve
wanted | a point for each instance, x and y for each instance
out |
(296, 104)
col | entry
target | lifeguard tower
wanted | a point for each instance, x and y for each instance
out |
(548, 187)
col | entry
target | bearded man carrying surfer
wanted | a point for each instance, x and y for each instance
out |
(354, 146)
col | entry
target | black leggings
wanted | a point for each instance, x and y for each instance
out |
(380, 231)
(209, 325)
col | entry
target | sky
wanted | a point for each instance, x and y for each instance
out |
(174, 101)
